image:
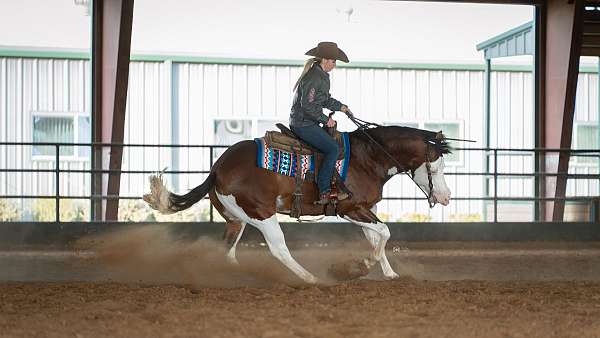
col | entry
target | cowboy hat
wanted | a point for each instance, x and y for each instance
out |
(328, 50)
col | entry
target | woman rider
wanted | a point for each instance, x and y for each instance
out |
(311, 96)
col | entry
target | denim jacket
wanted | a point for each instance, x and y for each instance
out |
(312, 95)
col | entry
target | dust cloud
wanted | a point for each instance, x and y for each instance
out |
(152, 254)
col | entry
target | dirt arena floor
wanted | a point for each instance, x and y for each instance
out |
(143, 283)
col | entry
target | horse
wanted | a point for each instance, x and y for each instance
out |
(246, 194)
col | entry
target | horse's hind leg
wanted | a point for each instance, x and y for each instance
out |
(234, 228)
(273, 235)
(271, 230)
(232, 235)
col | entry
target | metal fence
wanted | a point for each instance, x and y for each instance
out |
(491, 176)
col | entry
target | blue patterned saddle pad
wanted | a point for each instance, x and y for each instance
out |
(285, 163)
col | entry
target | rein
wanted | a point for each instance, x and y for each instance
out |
(364, 125)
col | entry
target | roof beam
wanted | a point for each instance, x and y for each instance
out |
(501, 2)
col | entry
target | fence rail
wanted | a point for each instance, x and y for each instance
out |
(490, 155)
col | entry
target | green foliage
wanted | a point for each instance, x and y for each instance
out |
(384, 217)
(134, 211)
(465, 218)
(8, 211)
(415, 217)
(139, 211)
(44, 210)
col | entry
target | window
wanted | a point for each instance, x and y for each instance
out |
(403, 124)
(61, 128)
(450, 129)
(229, 131)
(587, 138)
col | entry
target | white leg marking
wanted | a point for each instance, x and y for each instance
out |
(273, 236)
(373, 238)
(231, 253)
(378, 235)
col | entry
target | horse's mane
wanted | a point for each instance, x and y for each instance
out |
(441, 145)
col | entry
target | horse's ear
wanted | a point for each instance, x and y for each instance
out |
(439, 136)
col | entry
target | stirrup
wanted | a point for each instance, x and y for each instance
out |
(340, 195)
(324, 198)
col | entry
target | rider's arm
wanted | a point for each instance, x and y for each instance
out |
(332, 104)
(313, 97)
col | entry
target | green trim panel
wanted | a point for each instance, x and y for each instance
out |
(508, 34)
(82, 55)
(44, 53)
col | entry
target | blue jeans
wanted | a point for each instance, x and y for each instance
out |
(318, 138)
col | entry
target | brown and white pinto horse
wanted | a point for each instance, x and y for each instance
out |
(245, 194)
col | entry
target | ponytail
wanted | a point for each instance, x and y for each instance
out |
(307, 66)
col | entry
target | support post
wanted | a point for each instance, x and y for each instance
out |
(110, 71)
(562, 28)
(568, 111)
(539, 83)
(487, 128)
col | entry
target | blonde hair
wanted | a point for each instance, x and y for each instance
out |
(307, 66)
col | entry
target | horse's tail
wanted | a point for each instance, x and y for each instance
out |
(166, 202)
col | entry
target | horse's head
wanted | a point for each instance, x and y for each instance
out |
(399, 149)
(428, 168)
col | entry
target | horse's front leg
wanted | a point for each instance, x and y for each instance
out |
(377, 234)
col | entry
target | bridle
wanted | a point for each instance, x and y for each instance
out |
(364, 125)
(428, 167)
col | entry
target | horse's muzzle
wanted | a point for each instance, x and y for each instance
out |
(443, 200)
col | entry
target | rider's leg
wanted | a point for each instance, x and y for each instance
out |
(319, 139)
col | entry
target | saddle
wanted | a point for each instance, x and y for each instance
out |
(286, 140)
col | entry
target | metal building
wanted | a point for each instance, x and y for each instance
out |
(188, 100)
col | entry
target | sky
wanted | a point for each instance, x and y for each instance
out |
(387, 31)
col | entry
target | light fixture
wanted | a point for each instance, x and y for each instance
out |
(345, 9)
(85, 4)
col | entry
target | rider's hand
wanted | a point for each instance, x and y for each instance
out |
(331, 122)
(346, 110)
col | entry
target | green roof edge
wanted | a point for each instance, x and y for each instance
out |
(517, 30)
(80, 55)
(45, 54)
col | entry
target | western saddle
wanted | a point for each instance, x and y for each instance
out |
(287, 141)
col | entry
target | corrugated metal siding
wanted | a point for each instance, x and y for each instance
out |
(147, 121)
(178, 102)
(586, 111)
(38, 85)
(512, 127)
(54, 86)
(379, 95)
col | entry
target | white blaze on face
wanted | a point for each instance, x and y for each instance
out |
(441, 193)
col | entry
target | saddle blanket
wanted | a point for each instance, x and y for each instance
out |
(285, 163)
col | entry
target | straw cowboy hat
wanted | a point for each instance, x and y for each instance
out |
(328, 50)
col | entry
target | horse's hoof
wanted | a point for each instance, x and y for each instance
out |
(312, 280)
(232, 260)
(391, 276)
(348, 270)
